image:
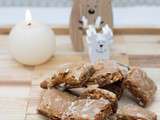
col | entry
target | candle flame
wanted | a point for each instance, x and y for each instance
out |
(28, 17)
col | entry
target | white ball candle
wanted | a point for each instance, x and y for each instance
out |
(31, 42)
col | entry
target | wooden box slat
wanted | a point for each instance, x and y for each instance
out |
(152, 61)
(64, 30)
(35, 117)
(35, 96)
(13, 108)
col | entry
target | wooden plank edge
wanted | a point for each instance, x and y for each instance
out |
(136, 30)
(15, 82)
(151, 61)
(64, 30)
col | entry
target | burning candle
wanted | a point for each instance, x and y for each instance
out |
(31, 42)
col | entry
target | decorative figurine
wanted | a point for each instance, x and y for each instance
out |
(99, 43)
(91, 9)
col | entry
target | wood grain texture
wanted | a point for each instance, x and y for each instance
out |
(13, 71)
(135, 30)
(137, 47)
(35, 117)
(13, 108)
(34, 97)
(127, 30)
(141, 49)
(75, 31)
(152, 61)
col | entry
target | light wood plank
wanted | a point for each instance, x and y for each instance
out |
(13, 108)
(14, 91)
(142, 50)
(34, 99)
(64, 30)
(15, 73)
(145, 60)
(35, 117)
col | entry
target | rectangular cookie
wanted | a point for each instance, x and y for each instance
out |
(132, 112)
(107, 73)
(54, 102)
(71, 75)
(96, 93)
(140, 86)
(88, 109)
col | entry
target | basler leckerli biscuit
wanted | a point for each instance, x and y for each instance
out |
(96, 93)
(110, 80)
(141, 86)
(71, 75)
(132, 112)
(54, 102)
(88, 109)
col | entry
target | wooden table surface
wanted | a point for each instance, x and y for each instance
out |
(19, 90)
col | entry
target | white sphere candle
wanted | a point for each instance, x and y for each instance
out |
(31, 42)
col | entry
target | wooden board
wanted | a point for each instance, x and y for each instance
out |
(142, 50)
(64, 30)
(152, 61)
(15, 79)
(12, 108)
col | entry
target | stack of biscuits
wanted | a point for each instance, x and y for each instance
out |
(83, 91)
